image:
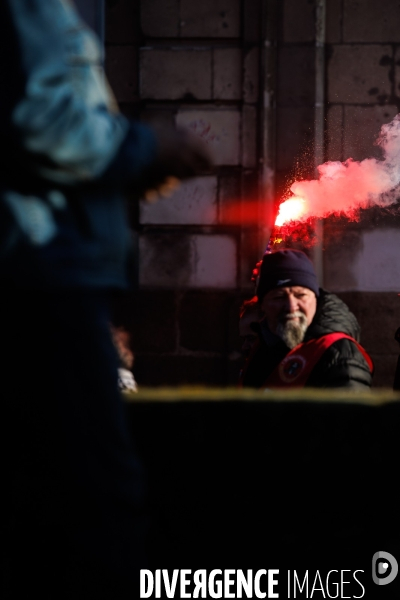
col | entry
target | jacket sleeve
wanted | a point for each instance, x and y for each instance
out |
(63, 121)
(342, 366)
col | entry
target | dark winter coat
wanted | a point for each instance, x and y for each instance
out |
(342, 364)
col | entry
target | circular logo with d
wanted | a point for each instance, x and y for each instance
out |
(384, 568)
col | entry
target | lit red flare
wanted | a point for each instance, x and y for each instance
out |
(293, 209)
(293, 223)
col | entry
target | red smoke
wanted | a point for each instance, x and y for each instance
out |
(343, 188)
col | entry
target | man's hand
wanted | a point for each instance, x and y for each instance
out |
(164, 190)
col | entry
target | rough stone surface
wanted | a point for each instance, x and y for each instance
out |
(160, 18)
(151, 319)
(397, 71)
(174, 74)
(165, 260)
(334, 136)
(340, 250)
(249, 137)
(362, 125)
(377, 267)
(294, 143)
(193, 203)
(363, 261)
(252, 248)
(283, 180)
(378, 314)
(385, 368)
(158, 116)
(204, 321)
(229, 197)
(122, 22)
(187, 337)
(371, 21)
(298, 21)
(121, 67)
(214, 261)
(250, 22)
(360, 74)
(210, 18)
(296, 81)
(130, 109)
(234, 341)
(220, 129)
(333, 33)
(227, 75)
(251, 198)
(183, 260)
(155, 370)
(251, 75)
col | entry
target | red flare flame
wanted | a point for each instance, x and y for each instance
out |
(293, 224)
(292, 209)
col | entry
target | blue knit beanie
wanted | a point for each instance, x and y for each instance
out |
(286, 268)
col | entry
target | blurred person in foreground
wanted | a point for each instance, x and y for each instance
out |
(308, 336)
(74, 521)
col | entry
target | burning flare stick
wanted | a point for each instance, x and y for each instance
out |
(290, 211)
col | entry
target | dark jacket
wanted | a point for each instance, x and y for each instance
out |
(68, 155)
(342, 364)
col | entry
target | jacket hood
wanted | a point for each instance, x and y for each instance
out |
(332, 315)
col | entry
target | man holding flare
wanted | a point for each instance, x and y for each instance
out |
(308, 336)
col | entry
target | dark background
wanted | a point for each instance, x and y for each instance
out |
(271, 484)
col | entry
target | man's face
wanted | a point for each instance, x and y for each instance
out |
(289, 309)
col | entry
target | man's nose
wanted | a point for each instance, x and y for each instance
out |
(292, 303)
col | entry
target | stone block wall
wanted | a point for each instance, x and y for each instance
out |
(378, 314)
(195, 65)
(295, 92)
(360, 258)
(362, 46)
(197, 69)
(183, 337)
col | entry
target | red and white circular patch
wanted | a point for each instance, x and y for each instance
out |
(291, 368)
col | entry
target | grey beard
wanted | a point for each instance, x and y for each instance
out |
(292, 333)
